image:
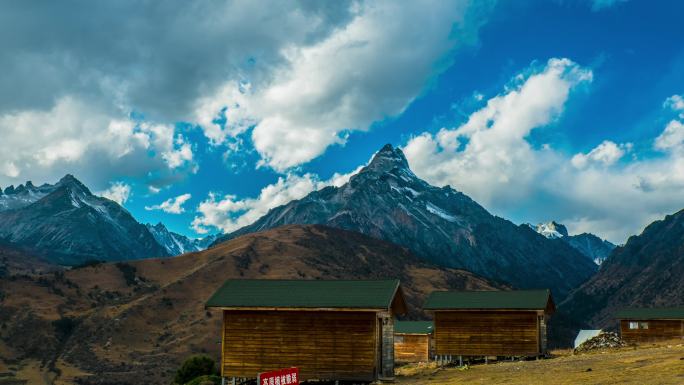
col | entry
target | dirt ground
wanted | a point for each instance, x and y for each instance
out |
(654, 364)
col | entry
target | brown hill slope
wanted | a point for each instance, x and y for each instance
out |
(134, 322)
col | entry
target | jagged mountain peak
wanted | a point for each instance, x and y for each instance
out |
(588, 244)
(386, 200)
(387, 159)
(176, 244)
(552, 229)
(67, 224)
(70, 182)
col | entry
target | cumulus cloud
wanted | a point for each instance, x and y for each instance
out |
(228, 213)
(292, 77)
(371, 68)
(605, 154)
(171, 205)
(75, 137)
(490, 158)
(117, 191)
(489, 150)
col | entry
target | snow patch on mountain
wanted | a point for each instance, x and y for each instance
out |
(440, 212)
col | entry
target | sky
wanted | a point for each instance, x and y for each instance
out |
(204, 115)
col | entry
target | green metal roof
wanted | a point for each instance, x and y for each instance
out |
(370, 294)
(413, 327)
(651, 313)
(515, 299)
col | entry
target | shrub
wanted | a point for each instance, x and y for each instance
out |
(128, 272)
(194, 367)
(64, 326)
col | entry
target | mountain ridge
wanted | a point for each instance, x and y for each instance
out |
(177, 244)
(588, 244)
(386, 200)
(647, 271)
(69, 225)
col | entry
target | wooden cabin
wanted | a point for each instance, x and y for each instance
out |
(413, 341)
(330, 330)
(639, 325)
(490, 323)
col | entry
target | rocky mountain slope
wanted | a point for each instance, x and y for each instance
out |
(589, 245)
(68, 225)
(647, 271)
(177, 244)
(386, 200)
(134, 322)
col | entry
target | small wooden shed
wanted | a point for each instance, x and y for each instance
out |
(490, 323)
(329, 329)
(413, 341)
(651, 324)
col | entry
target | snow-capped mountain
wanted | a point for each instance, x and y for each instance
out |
(551, 230)
(23, 195)
(67, 224)
(589, 245)
(176, 244)
(387, 200)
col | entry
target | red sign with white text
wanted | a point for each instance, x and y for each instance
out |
(289, 376)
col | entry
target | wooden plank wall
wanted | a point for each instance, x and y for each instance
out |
(322, 344)
(658, 330)
(486, 333)
(411, 347)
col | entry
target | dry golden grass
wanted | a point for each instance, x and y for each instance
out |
(656, 364)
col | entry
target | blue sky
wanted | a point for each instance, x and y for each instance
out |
(582, 102)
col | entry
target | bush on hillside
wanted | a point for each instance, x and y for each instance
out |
(194, 367)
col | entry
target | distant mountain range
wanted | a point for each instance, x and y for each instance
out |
(590, 245)
(65, 223)
(386, 200)
(176, 244)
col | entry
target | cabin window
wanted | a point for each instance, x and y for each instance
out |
(399, 339)
(643, 325)
(634, 325)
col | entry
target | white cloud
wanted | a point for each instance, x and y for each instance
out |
(96, 144)
(676, 102)
(117, 191)
(605, 154)
(490, 158)
(228, 213)
(371, 68)
(171, 205)
(489, 150)
(672, 138)
(180, 155)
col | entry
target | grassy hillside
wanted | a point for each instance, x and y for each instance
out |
(656, 364)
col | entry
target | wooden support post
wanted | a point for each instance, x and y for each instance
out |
(460, 360)
(387, 341)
